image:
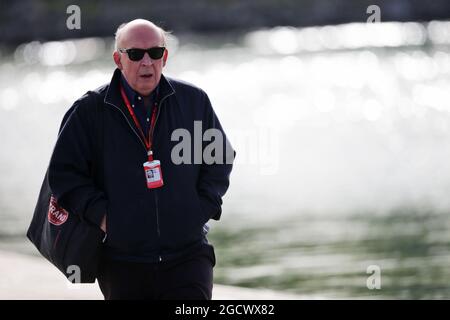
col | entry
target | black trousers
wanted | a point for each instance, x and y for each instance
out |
(187, 278)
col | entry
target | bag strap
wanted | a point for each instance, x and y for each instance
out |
(97, 165)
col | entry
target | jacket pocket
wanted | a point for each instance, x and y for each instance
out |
(131, 226)
(207, 209)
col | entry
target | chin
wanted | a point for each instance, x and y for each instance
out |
(145, 92)
(147, 88)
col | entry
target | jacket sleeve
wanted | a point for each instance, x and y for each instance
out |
(214, 178)
(70, 170)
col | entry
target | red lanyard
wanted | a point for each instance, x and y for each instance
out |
(148, 142)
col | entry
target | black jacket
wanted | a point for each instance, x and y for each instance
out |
(142, 224)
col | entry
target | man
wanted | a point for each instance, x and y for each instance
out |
(152, 209)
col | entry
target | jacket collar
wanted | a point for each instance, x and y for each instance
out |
(113, 93)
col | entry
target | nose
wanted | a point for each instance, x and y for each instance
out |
(146, 60)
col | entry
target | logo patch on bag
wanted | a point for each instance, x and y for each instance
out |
(56, 214)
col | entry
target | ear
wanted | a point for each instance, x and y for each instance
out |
(165, 56)
(116, 57)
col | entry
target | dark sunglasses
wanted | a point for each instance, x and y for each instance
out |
(137, 54)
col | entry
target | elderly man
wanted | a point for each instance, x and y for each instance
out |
(152, 209)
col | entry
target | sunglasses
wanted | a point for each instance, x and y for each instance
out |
(137, 54)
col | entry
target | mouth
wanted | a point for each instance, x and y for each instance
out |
(146, 75)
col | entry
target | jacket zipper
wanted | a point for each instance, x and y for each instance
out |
(156, 193)
(157, 219)
(151, 135)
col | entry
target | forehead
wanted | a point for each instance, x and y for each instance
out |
(142, 36)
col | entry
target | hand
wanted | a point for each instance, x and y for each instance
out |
(103, 224)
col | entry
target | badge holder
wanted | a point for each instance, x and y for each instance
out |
(153, 173)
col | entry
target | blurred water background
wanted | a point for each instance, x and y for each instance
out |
(342, 134)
